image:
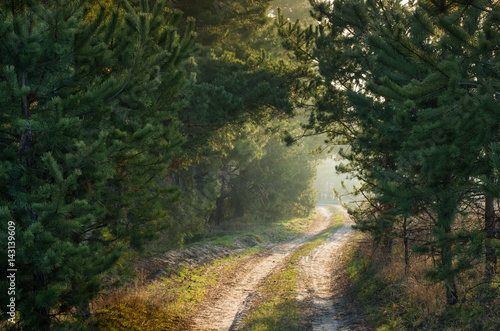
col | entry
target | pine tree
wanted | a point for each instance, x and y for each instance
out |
(88, 122)
(453, 123)
(419, 114)
(229, 25)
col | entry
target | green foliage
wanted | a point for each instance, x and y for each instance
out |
(88, 121)
(278, 185)
(227, 90)
(409, 89)
(240, 27)
(260, 178)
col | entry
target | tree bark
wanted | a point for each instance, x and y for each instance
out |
(27, 160)
(447, 262)
(489, 229)
(25, 148)
(451, 293)
(219, 204)
(406, 244)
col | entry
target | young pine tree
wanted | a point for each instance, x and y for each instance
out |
(420, 114)
(87, 123)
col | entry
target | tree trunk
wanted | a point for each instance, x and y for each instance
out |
(26, 156)
(25, 149)
(451, 293)
(43, 318)
(219, 204)
(447, 262)
(387, 242)
(219, 215)
(406, 244)
(489, 229)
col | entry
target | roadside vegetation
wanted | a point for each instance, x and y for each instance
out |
(394, 297)
(164, 304)
(169, 302)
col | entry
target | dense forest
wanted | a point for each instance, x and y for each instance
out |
(124, 121)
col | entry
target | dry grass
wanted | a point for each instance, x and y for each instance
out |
(168, 304)
(398, 300)
(164, 304)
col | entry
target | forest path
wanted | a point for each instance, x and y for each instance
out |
(234, 293)
(324, 283)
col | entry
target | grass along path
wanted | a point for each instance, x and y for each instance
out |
(169, 302)
(233, 295)
(279, 306)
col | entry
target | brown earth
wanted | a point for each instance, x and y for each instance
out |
(325, 286)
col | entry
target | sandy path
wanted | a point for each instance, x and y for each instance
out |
(324, 284)
(235, 294)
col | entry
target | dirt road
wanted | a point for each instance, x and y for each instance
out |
(325, 284)
(233, 297)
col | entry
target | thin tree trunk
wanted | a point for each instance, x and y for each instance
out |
(25, 151)
(25, 148)
(451, 293)
(447, 261)
(218, 211)
(489, 228)
(406, 244)
(387, 242)
(219, 204)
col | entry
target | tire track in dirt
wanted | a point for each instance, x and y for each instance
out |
(234, 294)
(324, 283)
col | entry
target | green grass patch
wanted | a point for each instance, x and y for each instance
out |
(226, 234)
(259, 232)
(281, 310)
